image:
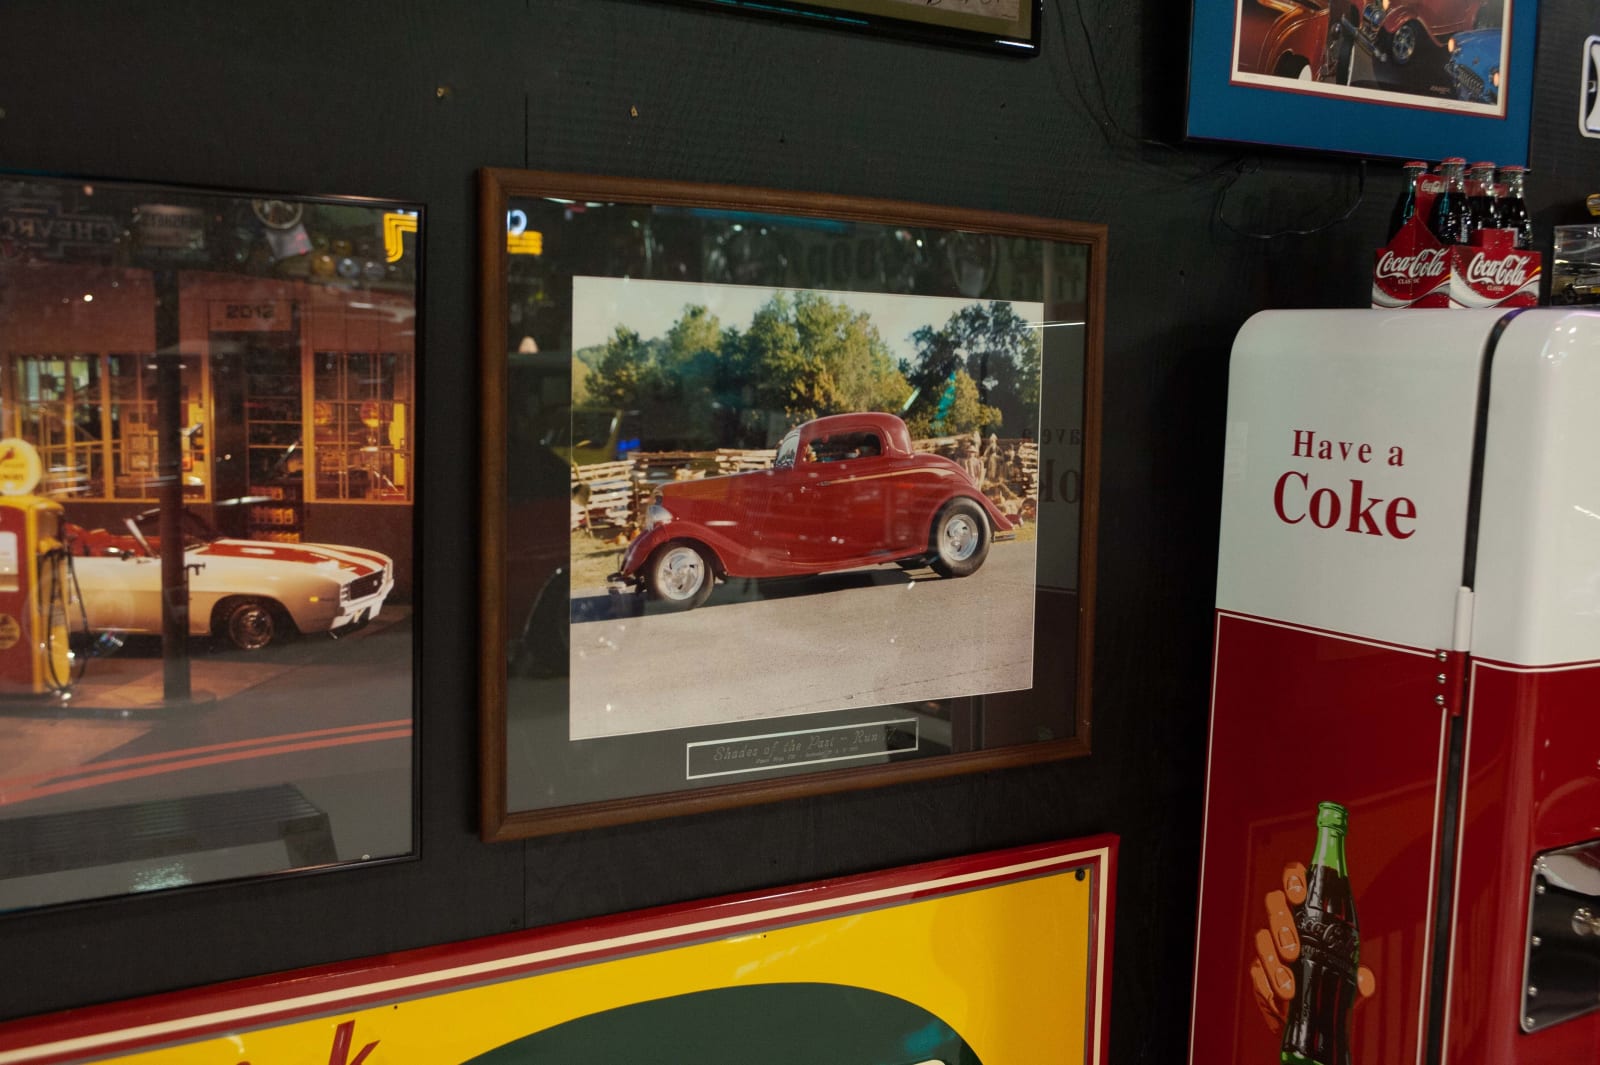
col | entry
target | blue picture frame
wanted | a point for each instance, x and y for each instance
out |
(1464, 87)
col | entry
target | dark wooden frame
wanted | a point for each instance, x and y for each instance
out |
(497, 188)
(907, 21)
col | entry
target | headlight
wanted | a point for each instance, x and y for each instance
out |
(656, 515)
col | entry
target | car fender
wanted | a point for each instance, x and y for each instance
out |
(643, 546)
(998, 522)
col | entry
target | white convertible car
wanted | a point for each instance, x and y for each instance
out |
(249, 592)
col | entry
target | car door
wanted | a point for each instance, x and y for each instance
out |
(851, 508)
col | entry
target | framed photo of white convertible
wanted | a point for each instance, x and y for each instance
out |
(207, 489)
(783, 494)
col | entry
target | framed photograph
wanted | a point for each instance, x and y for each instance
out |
(855, 971)
(1010, 27)
(1407, 79)
(783, 493)
(207, 489)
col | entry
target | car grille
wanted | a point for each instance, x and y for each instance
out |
(1471, 85)
(362, 587)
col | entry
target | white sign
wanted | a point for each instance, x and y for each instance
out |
(1589, 90)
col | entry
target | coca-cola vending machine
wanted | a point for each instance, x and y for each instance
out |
(1401, 860)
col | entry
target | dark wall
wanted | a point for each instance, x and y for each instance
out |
(408, 100)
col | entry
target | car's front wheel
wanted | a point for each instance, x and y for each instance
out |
(960, 539)
(679, 576)
(250, 623)
(1402, 44)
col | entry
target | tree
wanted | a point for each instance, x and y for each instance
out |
(964, 412)
(809, 356)
(624, 373)
(999, 353)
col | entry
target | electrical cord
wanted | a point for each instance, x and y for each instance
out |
(1248, 166)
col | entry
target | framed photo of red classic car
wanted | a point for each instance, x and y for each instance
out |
(784, 493)
(1421, 79)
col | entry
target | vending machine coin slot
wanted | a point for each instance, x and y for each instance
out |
(1562, 968)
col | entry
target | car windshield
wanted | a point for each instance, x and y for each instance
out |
(786, 451)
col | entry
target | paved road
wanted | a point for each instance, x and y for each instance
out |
(778, 648)
(331, 718)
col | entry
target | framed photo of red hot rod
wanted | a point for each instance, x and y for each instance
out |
(784, 493)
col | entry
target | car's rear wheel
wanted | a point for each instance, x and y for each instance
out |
(250, 623)
(680, 576)
(960, 539)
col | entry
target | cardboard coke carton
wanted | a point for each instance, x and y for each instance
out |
(1415, 270)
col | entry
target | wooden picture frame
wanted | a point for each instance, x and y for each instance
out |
(687, 329)
(1008, 27)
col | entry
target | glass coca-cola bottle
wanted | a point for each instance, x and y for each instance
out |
(1513, 209)
(1483, 204)
(1449, 218)
(1317, 1031)
(1406, 206)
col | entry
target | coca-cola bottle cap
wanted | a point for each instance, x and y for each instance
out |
(1414, 162)
(1513, 169)
(1482, 166)
(1454, 159)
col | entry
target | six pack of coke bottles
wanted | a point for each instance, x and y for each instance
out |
(1467, 199)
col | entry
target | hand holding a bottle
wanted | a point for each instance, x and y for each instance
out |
(1278, 948)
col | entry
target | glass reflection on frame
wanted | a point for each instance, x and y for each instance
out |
(207, 488)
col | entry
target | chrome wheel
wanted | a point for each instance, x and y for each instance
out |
(681, 576)
(251, 625)
(959, 538)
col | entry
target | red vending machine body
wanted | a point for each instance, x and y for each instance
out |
(1361, 459)
(1523, 965)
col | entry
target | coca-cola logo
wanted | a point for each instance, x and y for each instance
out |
(1510, 270)
(1329, 940)
(1427, 263)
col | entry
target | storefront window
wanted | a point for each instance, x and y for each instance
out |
(362, 442)
(90, 413)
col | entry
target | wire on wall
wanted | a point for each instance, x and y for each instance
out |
(1250, 166)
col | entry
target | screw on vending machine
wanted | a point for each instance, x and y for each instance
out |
(1536, 941)
(1533, 992)
(1442, 678)
(1444, 656)
(1439, 699)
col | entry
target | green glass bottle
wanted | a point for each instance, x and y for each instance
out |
(1318, 1028)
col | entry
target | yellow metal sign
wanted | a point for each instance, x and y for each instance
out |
(998, 959)
(20, 468)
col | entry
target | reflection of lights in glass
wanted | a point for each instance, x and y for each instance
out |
(163, 876)
(88, 297)
(395, 225)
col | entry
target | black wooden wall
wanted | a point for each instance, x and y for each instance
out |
(408, 99)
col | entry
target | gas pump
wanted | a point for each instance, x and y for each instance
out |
(36, 587)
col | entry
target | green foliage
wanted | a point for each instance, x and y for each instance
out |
(806, 355)
(998, 354)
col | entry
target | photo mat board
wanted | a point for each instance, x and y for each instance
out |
(206, 610)
(721, 429)
(1423, 79)
(999, 958)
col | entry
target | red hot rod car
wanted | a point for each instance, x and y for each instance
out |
(843, 491)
